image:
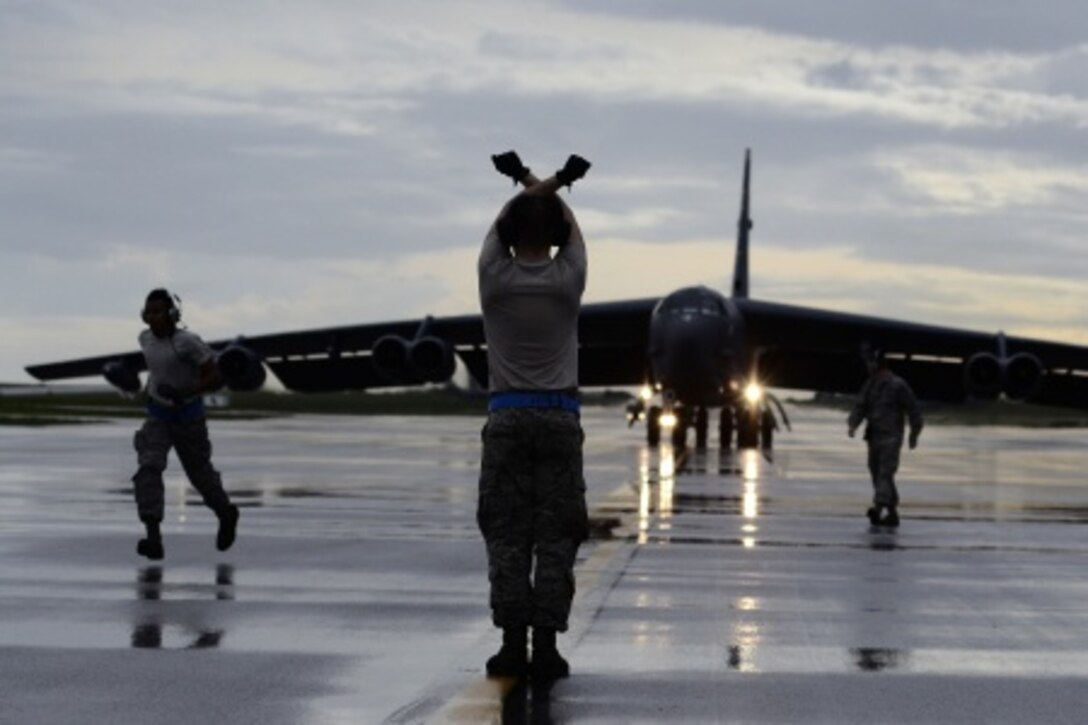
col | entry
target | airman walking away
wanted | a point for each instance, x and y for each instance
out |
(884, 400)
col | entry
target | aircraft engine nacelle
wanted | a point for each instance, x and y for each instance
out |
(1023, 376)
(426, 359)
(121, 376)
(1018, 376)
(241, 368)
(432, 358)
(390, 357)
(982, 375)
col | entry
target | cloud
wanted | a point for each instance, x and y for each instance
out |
(840, 279)
(931, 24)
(288, 166)
(979, 181)
(159, 59)
(26, 160)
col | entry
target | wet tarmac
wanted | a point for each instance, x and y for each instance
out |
(717, 587)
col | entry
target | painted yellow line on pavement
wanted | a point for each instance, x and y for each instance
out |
(482, 700)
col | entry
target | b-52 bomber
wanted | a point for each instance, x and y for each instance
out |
(692, 351)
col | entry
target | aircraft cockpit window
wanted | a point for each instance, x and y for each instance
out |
(693, 305)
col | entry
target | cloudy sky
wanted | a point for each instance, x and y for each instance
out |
(282, 165)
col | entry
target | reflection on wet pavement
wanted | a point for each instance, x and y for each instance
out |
(147, 631)
(742, 653)
(149, 581)
(878, 659)
(528, 704)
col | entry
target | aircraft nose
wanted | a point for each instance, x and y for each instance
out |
(687, 358)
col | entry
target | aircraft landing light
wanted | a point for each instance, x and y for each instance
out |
(646, 392)
(668, 420)
(752, 392)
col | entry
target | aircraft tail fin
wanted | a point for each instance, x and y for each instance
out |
(744, 226)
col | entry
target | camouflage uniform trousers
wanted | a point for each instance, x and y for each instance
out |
(190, 438)
(532, 502)
(883, 463)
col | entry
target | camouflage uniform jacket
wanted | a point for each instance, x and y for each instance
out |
(884, 400)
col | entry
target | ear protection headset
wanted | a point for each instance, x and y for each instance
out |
(173, 311)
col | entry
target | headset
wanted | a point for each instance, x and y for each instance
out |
(173, 312)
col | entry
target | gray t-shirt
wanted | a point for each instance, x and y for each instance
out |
(531, 314)
(175, 360)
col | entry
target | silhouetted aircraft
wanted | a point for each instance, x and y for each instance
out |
(692, 351)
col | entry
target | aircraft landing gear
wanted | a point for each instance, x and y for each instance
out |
(747, 429)
(725, 428)
(653, 426)
(680, 430)
(740, 425)
(701, 425)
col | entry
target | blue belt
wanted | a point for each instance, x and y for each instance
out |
(528, 399)
(188, 412)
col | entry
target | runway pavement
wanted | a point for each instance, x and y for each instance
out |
(718, 588)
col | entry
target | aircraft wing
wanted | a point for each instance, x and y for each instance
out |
(612, 351)
(339, 358)
(613, 338)
(314, 360)
(813, 349)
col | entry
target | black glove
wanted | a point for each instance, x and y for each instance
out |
(169, 392)
(575, 168)
(508, 164)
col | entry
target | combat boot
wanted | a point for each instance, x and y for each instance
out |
(874, 515)
(151, 545)
(511, 660)
(151, 548)
(228, 525)
(547, 663)
(892, 519)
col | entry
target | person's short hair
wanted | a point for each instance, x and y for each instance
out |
(160, 295)
(534, 221)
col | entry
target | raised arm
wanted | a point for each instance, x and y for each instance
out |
(493, 249)
(572, 250)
